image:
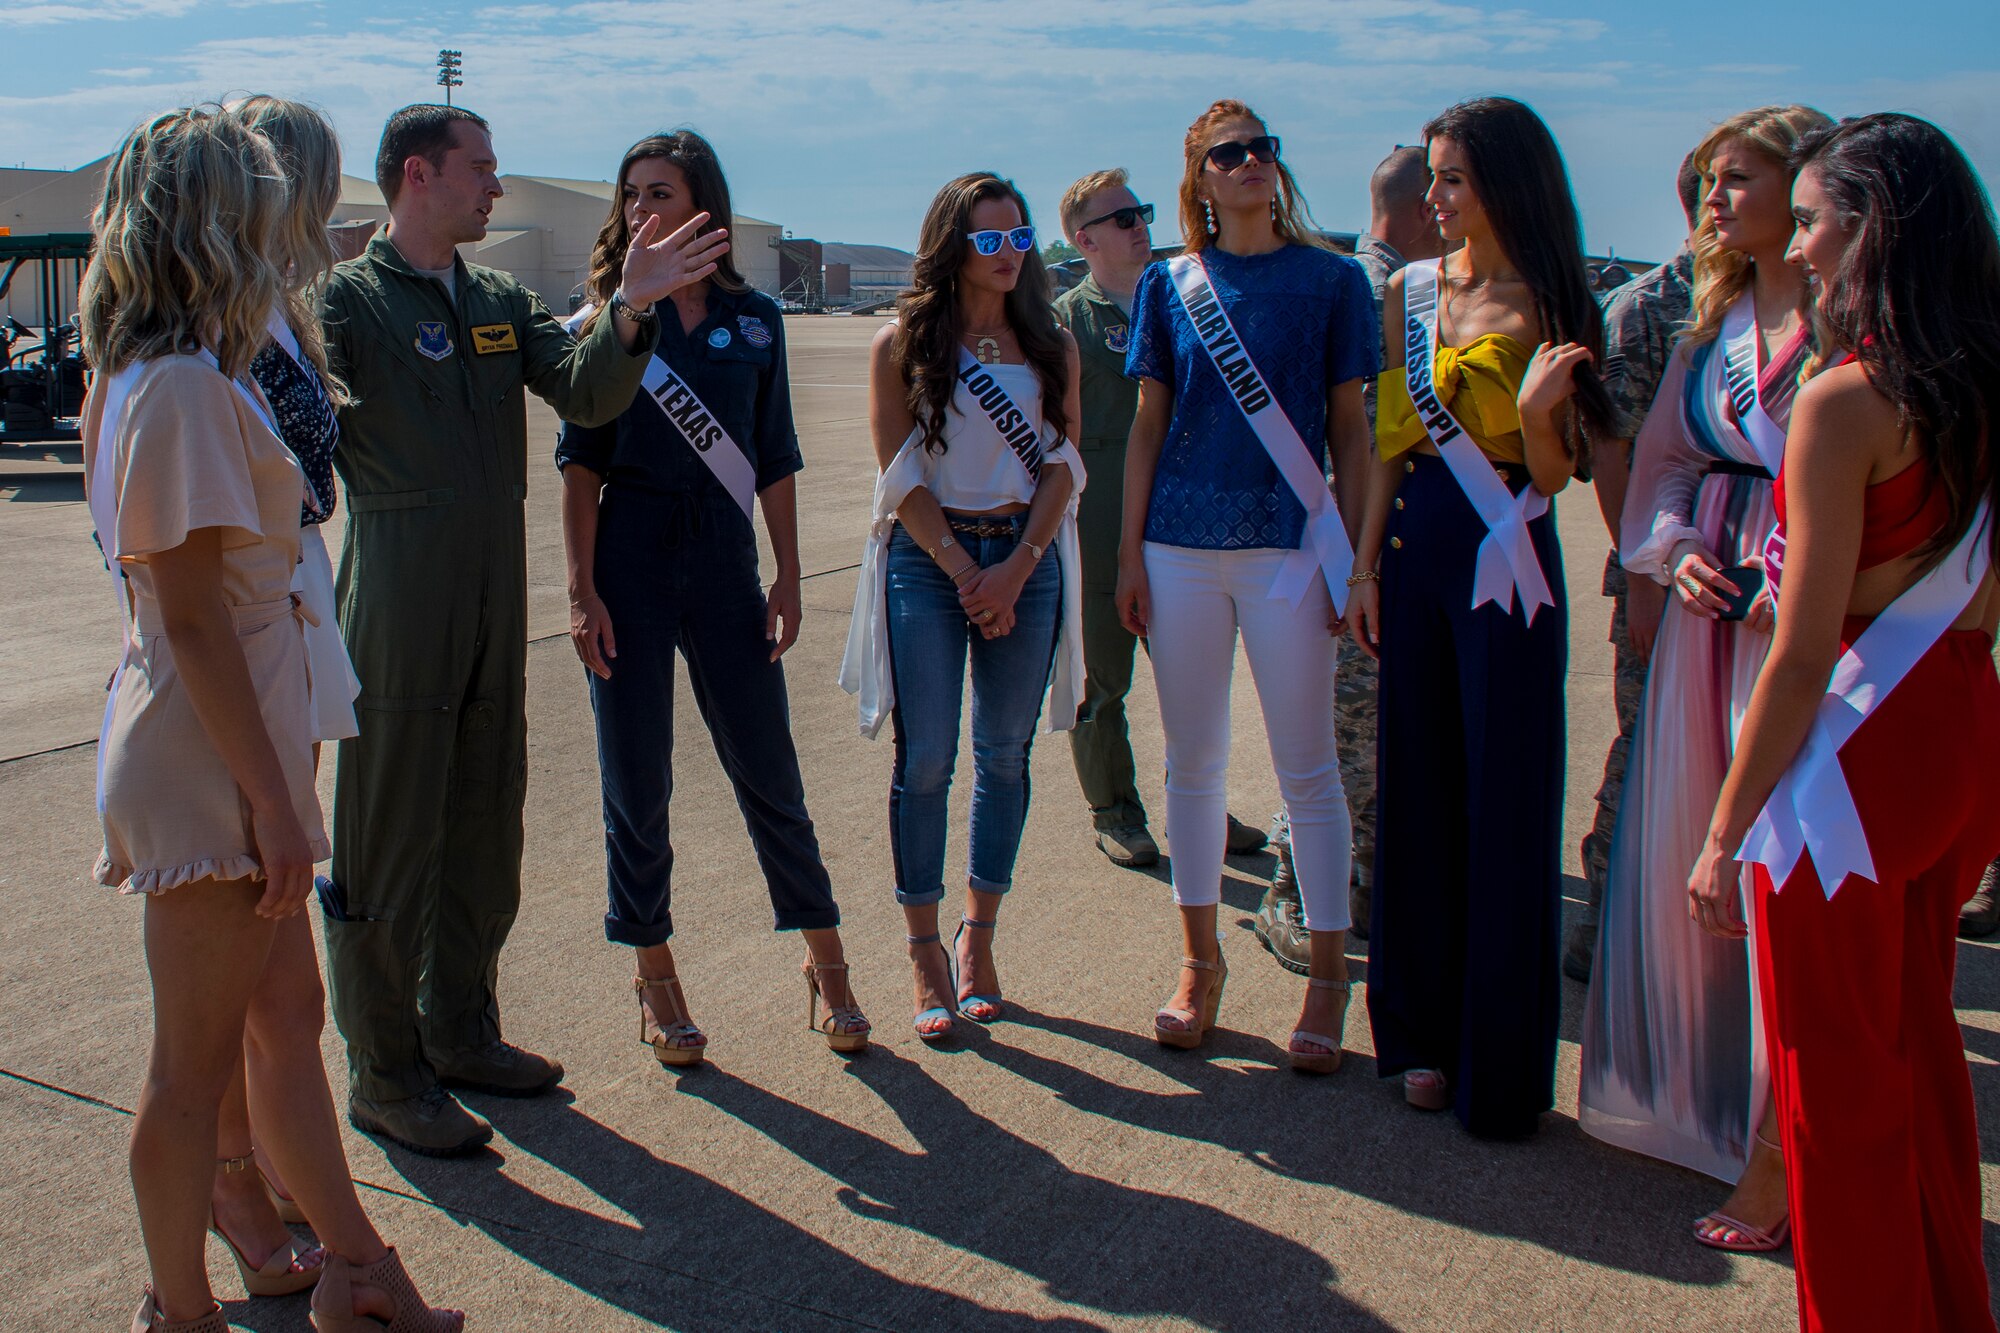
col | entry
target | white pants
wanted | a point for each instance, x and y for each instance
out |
(334, 684)
(1200, 599)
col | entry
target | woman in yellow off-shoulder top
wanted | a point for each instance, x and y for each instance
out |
(1462, 968)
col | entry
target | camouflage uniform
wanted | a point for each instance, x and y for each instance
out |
(1642, 319)
(1354, 689)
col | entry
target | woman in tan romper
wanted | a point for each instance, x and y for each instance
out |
(205, 763)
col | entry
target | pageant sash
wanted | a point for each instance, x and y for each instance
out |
(1506, 562)
(1325, 546)
(688, 415)
(1016, 429)
(1811, 809)
(1739, 376)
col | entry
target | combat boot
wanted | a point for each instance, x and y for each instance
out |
(431, 1123)
(1980, 916)
(1279, 924)
(498, 1067)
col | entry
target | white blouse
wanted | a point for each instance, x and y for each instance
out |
(977, 471)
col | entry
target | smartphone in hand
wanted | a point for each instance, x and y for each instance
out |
(1750, 580)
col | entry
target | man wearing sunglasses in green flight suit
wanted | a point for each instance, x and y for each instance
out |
(1108, 225)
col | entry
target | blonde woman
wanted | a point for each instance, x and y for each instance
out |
(1673, 1053)
(250, 1205)
(205, 788)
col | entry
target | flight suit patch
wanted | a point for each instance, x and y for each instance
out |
(490, 338)
(755, 331)
(433, 339)
(1117, 338)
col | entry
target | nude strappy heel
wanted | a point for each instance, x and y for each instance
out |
(978, 1008)
(1197, 1023)
(840, 1028)
(940, 1030)
(333, 1300)
(1753, 1240)
(276, 1277)
(678, 1044)
(149, 1320)
(1309, 1062)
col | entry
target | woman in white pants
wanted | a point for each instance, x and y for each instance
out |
(1224, 529)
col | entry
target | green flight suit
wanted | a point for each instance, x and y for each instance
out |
(428, 799)
(1099, 745)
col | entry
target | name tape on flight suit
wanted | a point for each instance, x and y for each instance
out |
(490, 338)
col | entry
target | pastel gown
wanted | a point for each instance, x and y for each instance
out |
(1673, 1060)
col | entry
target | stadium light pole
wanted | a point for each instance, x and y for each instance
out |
(451, 65)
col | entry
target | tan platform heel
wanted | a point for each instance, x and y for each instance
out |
(679, 1044)
(1308, 1062)
(275, 1278)
(333, 1300)
(148, 1319)
(839, 1026)
(1198, 1023)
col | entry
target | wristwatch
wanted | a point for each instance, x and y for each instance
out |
(621, 306)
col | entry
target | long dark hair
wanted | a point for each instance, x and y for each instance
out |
(929, 324)
(706, 184)
(1917, 297)
(1517, 171)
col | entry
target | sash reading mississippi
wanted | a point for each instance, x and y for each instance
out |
(1417, 355)
(1012, 423)
(1211, 325)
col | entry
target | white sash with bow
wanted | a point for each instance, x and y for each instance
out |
(1325, 545)
(1506, 562)
(687, 414)
(1739, 376)
(1811, 809)
(865, 669)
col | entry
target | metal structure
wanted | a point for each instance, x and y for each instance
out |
(41, 383)
(801, 274)
(451, 66)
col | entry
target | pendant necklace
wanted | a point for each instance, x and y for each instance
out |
(986, 346)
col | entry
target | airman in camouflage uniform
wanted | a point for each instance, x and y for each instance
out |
(1642, 319)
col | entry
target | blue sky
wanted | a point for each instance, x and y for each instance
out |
(839, 119)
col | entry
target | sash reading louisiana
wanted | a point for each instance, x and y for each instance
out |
(1012, 423)
(1417, 355)
(1238, 371)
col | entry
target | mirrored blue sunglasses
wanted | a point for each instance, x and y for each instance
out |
(988, 242)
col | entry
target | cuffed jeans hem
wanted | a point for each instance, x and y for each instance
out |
(821, 918)
(978, 885)
(638, 936)
(924, 899)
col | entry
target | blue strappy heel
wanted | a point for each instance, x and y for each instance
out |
(935, 1012)
(978, 1008)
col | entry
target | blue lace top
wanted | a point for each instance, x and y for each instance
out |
(305, 420)
(1307, 318)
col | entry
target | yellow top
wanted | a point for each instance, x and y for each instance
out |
(1478, 382)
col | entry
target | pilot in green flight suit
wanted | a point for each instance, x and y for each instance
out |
(428, 799)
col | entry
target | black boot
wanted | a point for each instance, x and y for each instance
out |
(1280, 918)
(1980, 917)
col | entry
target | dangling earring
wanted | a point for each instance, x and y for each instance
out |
(1274, 208)
(1208, 211)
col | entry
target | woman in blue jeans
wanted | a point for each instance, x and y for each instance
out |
(972, 554)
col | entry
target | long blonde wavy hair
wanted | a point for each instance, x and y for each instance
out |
(187, 244)
(1721, 274)
(309, 155)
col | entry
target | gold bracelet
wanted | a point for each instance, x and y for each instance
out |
(1364, 576)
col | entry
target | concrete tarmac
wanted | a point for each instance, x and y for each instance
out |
(1057, 1170)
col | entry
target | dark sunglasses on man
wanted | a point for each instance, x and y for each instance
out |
(989, 242)
(1125, 218)
(1233, 153)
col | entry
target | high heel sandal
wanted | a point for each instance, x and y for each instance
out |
(333, 1300)
(1753, 1240)
(1198, 1022)
(679, 1044)
(1310, 1062)
(278, 1275)
(149, 1320)
(287, 1208)
(1426, 1089)
(841, 1034)
(936, 1011)
(978, 1008)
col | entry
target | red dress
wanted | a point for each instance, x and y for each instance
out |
(1873, 1094)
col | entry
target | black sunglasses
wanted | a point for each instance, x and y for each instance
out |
(1126, 218)
(1231, 154)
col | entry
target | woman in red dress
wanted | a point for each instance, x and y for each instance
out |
(1884, 508)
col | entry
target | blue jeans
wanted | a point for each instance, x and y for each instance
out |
(929, 638)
